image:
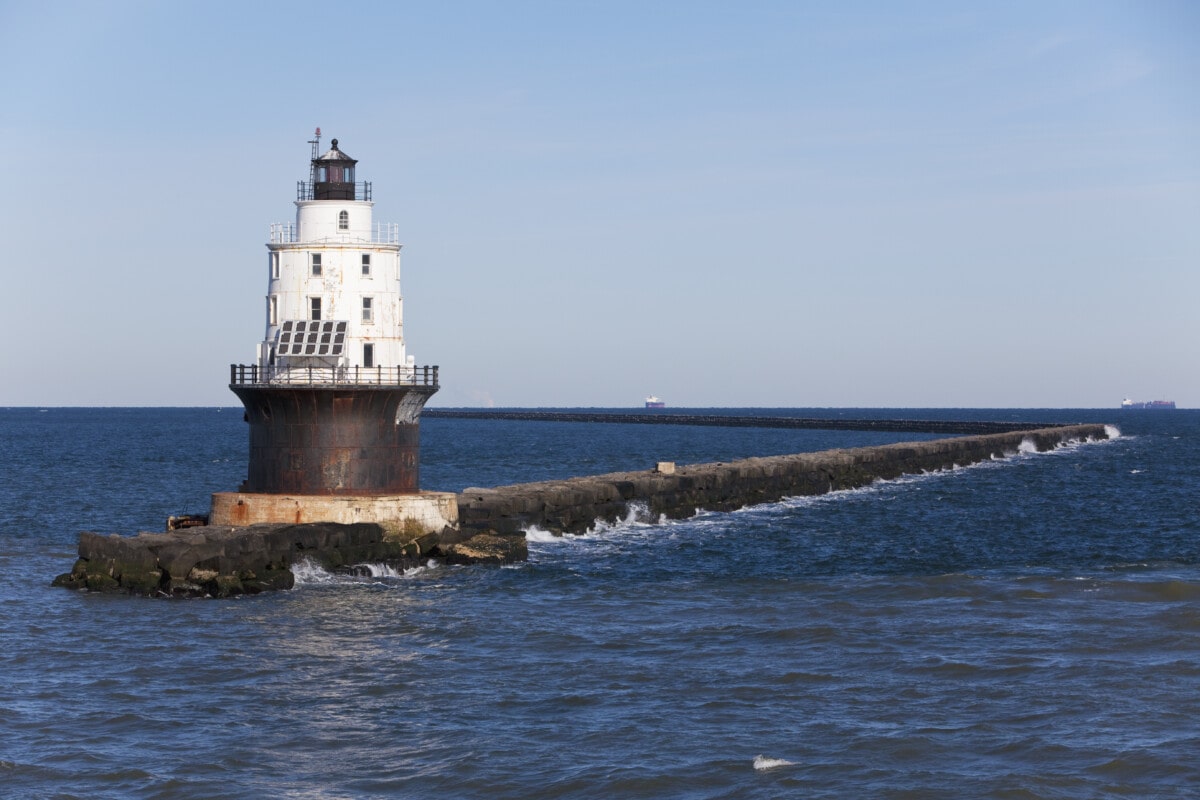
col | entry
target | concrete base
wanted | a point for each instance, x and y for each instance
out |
(401, 515)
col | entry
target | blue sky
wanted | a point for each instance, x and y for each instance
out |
(754, 204)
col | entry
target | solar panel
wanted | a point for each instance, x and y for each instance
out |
(311, 337)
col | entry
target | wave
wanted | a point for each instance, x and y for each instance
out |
(762, 762)
(309, 573)
(1153, 582)
(637, 517)
(535, 534)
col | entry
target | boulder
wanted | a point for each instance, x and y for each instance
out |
(487, 548)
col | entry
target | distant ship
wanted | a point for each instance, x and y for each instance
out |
(1159, 405)
(654, 402)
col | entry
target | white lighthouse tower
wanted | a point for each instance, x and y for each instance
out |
(333, 400)
(333, 291)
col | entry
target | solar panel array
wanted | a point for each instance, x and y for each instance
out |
(311, 337)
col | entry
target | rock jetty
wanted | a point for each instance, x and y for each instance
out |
(223, 561)
(575, 504)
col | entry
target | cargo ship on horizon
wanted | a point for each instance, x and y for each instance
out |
(654, 402)
(1158, 405)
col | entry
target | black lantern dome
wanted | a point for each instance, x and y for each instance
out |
(333, 175)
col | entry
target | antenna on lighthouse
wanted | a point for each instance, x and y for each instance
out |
(316, 147)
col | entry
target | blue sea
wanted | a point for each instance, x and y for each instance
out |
(1024, 628)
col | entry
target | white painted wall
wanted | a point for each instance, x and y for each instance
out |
(341, 286)
(316, 223)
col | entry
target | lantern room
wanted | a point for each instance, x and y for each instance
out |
(333, 175)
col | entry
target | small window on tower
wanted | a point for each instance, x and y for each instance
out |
(368, 354)
(274, 265)
(366, 265)
(343, 220)
(314, 307)
(273, 313)
(316, 265)
(368, 310)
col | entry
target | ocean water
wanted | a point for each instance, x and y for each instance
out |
(1024, 628)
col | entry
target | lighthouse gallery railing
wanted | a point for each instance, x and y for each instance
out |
(254, 375)
(381, 233)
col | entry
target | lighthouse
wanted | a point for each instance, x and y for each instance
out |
(333, 399)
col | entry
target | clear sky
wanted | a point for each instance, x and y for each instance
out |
(724, 204)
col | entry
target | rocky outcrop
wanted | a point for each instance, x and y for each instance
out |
(222, 561)
(574, 505)
(487, 548)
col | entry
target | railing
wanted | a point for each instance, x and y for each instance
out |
(283, 233)
(385, 233)
(381, 233)
(254, 375)
(362, 190)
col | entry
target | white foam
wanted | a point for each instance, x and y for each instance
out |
(637, 515)
(763, 762)
(638, 520)
(385, 571)
(834, 495)
(308, 573)
(535, 534)
(1112, 431)
(1027, 446)
(1068, 446)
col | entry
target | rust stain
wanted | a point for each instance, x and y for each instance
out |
(306, 440)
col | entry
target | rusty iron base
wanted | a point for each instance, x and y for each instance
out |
(360, 440)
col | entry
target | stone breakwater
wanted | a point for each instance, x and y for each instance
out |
(223, 560)
(574, 505)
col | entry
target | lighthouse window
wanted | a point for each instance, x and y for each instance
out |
(366, 261)
(343, 220)
(316, 264)
(368, 355)
(274, 265)
(314, 307)
(273, 312)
